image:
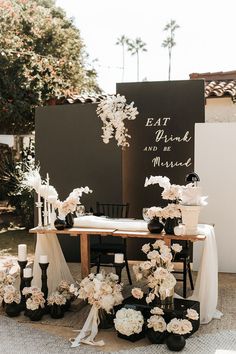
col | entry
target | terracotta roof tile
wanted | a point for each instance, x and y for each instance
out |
(220, 89)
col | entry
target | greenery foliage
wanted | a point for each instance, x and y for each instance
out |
(11, 189)
(42, 57)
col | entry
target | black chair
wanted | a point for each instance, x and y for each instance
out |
(184, 257)
(102, 252)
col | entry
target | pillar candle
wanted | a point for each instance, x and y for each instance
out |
(27, 272)
(119, 257)
(43, 259)
(22, 252)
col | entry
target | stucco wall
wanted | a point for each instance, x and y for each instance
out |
(220, 109)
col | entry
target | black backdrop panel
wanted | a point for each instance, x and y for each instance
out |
(162, 136)
(162, 140)
(69, 147)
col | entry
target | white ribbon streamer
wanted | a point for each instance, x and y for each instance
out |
(89, 330)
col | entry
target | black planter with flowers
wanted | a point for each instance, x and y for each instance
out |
(156, 337)
(12, 309)
(170, 224)
(155, 226)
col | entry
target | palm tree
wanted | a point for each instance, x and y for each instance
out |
(135, 46)
(123, 40)
(169, 42)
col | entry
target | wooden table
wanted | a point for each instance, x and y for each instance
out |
(85, 240)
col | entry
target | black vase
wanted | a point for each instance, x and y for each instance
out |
(56, 311)
(35, 315)
(175, 342)
(59, 224)
(67, 305)
(155, 226)
(170, 225)
(133, 337)
(13, 309)
(155, 337)
(106, 319)
(69, 220)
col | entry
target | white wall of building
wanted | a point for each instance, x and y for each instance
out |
(215, 162)
(220, 109)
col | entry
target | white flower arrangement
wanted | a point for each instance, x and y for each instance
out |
(192, 314)
(56, 299)
(186, 195)
(11, 295)
(179, 326)
(69, 291)
(101, 290)
(113, 111)
(35, 298)
(128, 321)
(154, 212)
(157, 270)
(171, 211)
(70, 203)
(157, 323)
(6, 279)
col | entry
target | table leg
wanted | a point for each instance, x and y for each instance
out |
(167, 241)
(85, 255)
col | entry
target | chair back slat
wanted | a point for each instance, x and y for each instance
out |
(113, 210)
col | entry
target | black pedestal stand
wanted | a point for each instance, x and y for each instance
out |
(44, 287)
(22, 265)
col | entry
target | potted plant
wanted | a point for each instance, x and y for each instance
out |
(69, 291)
(12, 300)
(156, 326)
(56, 302)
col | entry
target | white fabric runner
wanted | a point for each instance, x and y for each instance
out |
(206, 286)
(48, 244)
(106, 223)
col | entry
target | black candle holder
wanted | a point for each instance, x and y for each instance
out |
(28, 281)
(44, 278)
(22, 265)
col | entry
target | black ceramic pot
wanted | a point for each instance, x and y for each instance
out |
(170, 225)
(59, 224)
(175, 342)
(67, 305)
(106, 319)
(69, 220)
(35, 315)
(133, 337)
(155, 337)
(56, 311)
(13, 309)
(155, 226)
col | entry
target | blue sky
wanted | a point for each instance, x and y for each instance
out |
(205, 39)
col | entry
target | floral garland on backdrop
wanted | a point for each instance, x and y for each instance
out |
(113, 111)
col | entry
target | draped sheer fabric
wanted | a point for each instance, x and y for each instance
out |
(48, 244)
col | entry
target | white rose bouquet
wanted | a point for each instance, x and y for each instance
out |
(69, 291)
(6, 279)
(179, 326)
(101, 290)
(56, 299)
(154, 212)
(11, 295)
(35, 298)
(129, 321)
(157, 270)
